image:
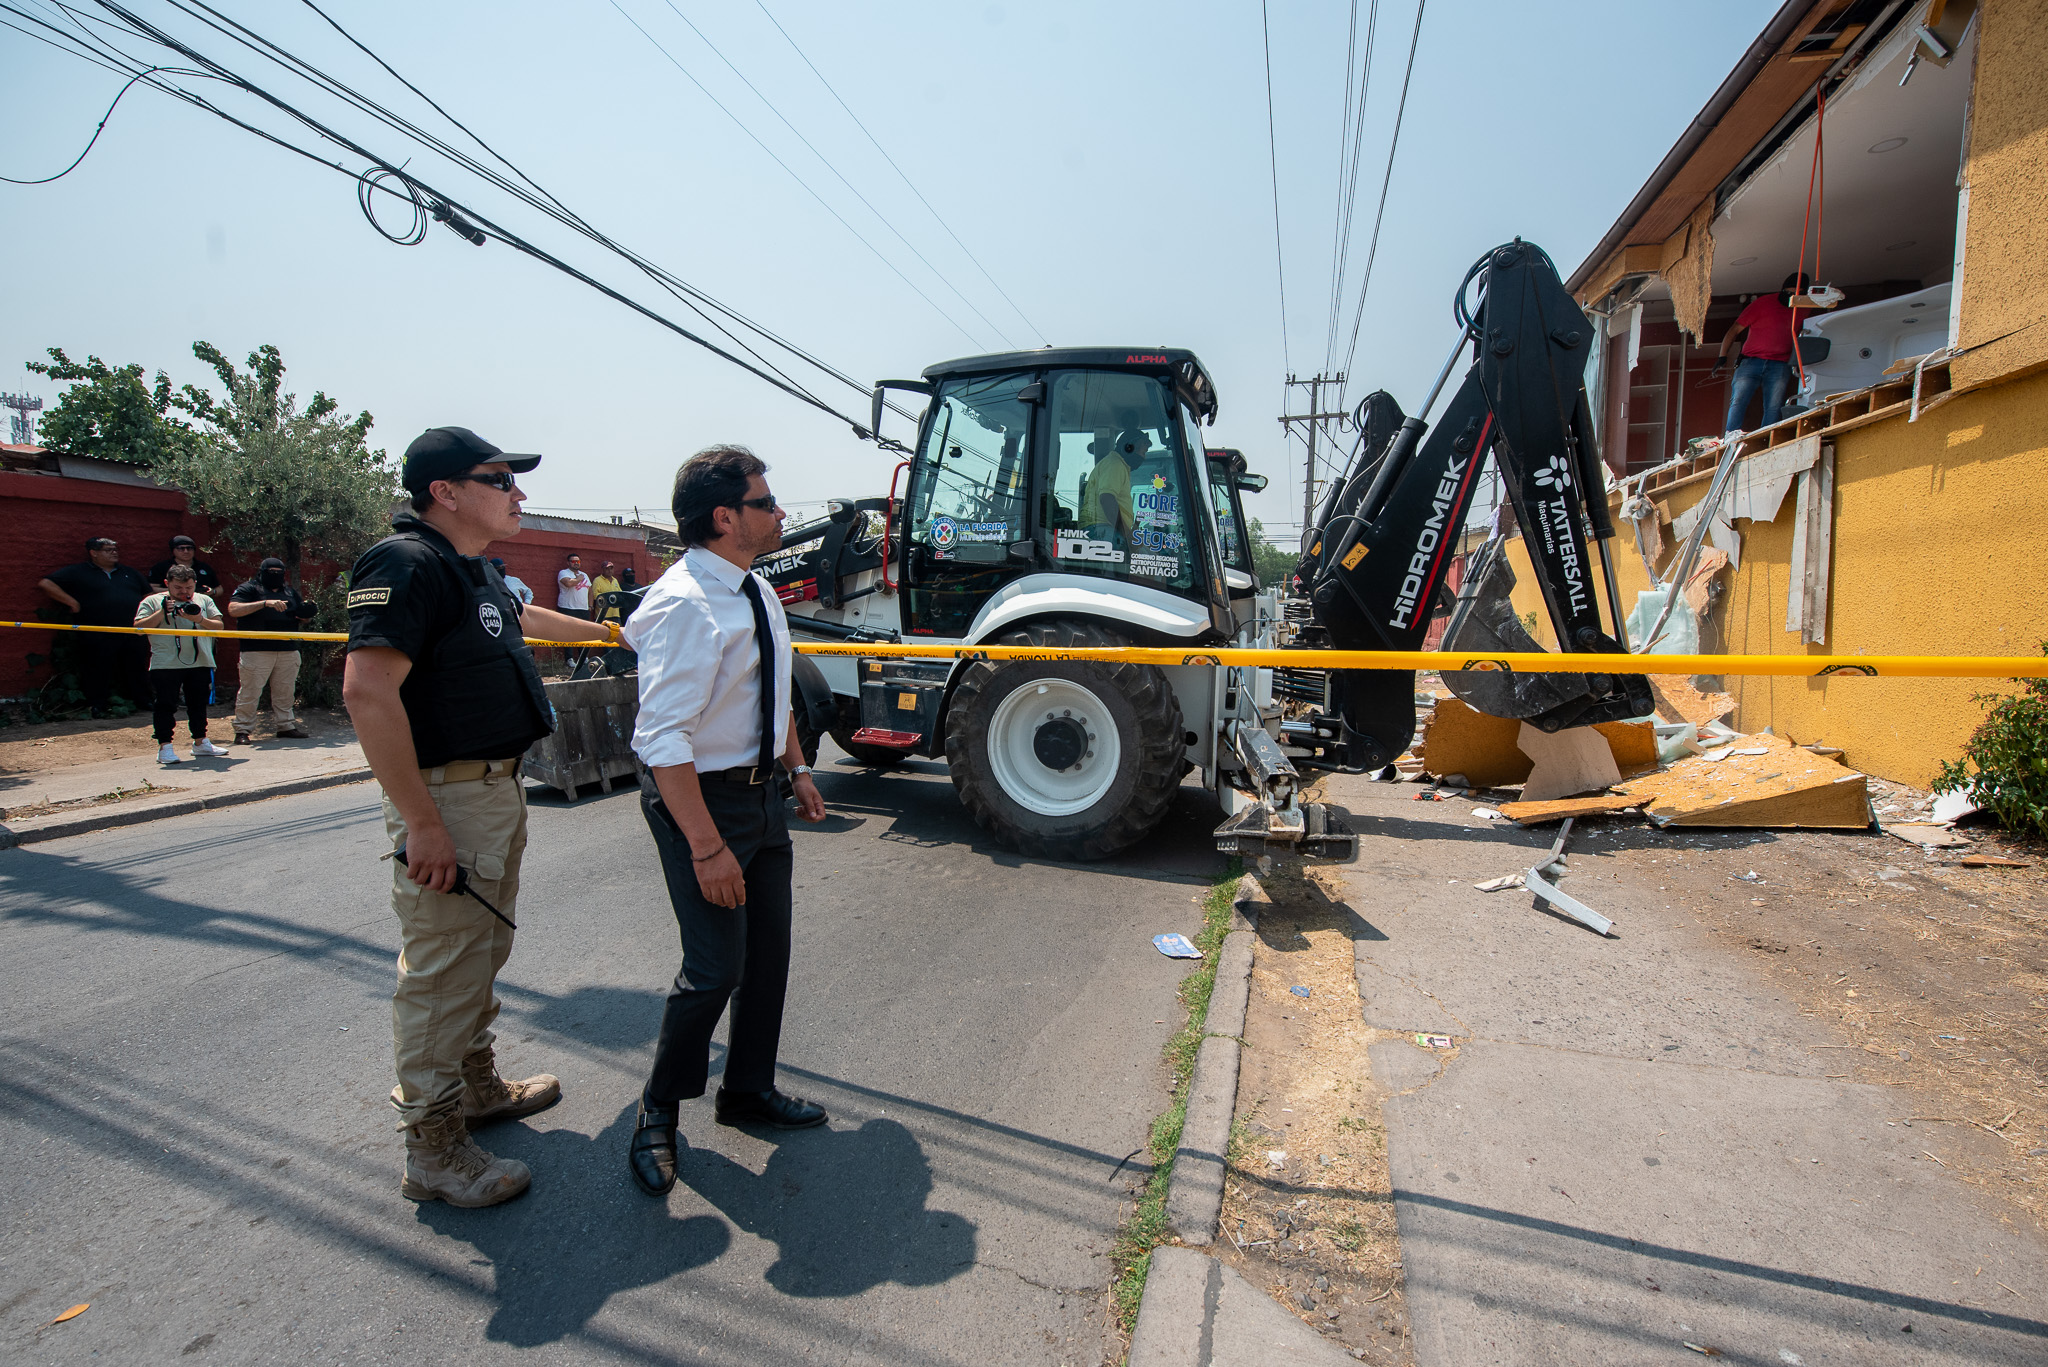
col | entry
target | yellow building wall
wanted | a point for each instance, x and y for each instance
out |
(1940, 548)
(2004, 307)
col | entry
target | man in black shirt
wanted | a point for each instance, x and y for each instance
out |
(446, 698)
(100, 591)
(268, 602)
(185, 551)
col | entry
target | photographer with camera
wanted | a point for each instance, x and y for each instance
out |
(181, 665)
(268, 602)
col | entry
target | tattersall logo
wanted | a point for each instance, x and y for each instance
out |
(368, 598)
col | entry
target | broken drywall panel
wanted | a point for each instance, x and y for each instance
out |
(1459, 739)
(1634, 744)
(1679, 701)
(1566, 763)
(1542, 813)
(1760, 483)
(1806, 594)
(1785, 787)
(1720, 531)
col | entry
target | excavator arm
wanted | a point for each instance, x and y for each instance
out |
(1375, 564)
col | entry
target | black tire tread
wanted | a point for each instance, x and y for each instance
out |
(1160, 746)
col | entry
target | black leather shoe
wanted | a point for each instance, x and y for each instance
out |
(770, 1108)
(652, 1154)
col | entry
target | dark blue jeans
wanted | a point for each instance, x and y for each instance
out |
(1754, 373)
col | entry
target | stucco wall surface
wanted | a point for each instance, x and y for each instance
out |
(2005, 251)
(1940, 548)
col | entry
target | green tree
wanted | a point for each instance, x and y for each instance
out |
(296, 484)
(112, 412)
(1273, 564)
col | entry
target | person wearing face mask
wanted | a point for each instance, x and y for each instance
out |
(268, 602)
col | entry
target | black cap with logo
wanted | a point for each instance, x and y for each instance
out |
(445, 452)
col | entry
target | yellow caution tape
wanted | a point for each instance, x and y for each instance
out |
(1443, 662)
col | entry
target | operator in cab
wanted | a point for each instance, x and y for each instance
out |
(446, 698)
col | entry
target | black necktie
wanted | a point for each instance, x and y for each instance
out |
(764, 641)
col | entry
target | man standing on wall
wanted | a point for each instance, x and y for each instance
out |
(714, 654)
(446, 699)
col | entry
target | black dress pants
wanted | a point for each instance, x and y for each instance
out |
(737, 954)
(107, 663)
(194, 686)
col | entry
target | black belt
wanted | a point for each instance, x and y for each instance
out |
(745, 773)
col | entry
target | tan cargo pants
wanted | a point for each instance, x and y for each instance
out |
(451, 948)
(279, 669)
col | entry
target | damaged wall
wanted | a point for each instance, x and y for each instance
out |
(2005, 233)
(1937, 546)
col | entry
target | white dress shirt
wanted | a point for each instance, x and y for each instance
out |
(700, 673)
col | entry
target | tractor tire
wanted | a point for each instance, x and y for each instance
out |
(1065, 759)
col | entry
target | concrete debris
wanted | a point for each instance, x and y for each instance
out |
(1488, 814)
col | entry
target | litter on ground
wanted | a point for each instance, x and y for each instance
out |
(1176, 946)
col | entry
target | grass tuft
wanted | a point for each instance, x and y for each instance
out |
(1144, 1229)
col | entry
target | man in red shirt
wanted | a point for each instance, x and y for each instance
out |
(1768, 329)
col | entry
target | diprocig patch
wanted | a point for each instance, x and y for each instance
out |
(368, 598)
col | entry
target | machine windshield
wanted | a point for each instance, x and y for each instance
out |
(1236, 551)
(1116, 501)
(970, 479)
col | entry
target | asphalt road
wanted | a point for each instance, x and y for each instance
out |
(196, 1054)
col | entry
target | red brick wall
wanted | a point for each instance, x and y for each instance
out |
(48, 518)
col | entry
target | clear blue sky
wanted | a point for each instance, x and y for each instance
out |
(1106, 162)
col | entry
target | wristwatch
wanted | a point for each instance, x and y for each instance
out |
(800, 769)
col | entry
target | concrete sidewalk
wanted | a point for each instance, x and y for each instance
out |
(1634, 1152)
(67, 801)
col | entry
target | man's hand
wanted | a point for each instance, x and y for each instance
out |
(430, 858)
(810, 803)
(720, 880)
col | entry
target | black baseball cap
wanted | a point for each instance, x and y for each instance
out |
(445, 452)
(178, 541)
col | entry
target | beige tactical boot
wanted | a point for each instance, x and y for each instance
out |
(442, 1163)
(486, 1097)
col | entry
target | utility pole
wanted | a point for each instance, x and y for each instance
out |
(1314, 419)
(23, 425)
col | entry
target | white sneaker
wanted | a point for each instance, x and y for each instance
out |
(167, 755)
(206, 749)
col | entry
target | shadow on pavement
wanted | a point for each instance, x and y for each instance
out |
(560, 1252)
(846, 1209)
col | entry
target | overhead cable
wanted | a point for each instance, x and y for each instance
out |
(905, 176)
(1379, 215)
(1347, 208)
(806, 186)
(1273, 164)
(827, 162)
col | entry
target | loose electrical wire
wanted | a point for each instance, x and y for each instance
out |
(373, 180)
(1379, 215)
(827, 162)
(101, 128)
(1273, 165)
(536, 196)
(144, 29)
(901, 174)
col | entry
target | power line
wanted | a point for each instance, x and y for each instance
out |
(1348, 179)
(1273, 162)
(1379, 215)
(836, 171)
(906, 178)
(822, 201)
(213, 70)
(101, 128)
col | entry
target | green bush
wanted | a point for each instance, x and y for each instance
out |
(2005, 762)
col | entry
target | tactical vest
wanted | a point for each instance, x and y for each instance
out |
(478, 693)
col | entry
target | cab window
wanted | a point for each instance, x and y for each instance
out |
(1116, 503)
(1236, 552)
(970, 473)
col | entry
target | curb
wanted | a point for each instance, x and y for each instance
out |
(1194, 1196)
(1204, 1314)
(135, 816)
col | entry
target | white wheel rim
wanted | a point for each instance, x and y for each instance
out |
(1013, 757)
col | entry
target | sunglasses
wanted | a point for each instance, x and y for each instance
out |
(766, 505)
(502, 480)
